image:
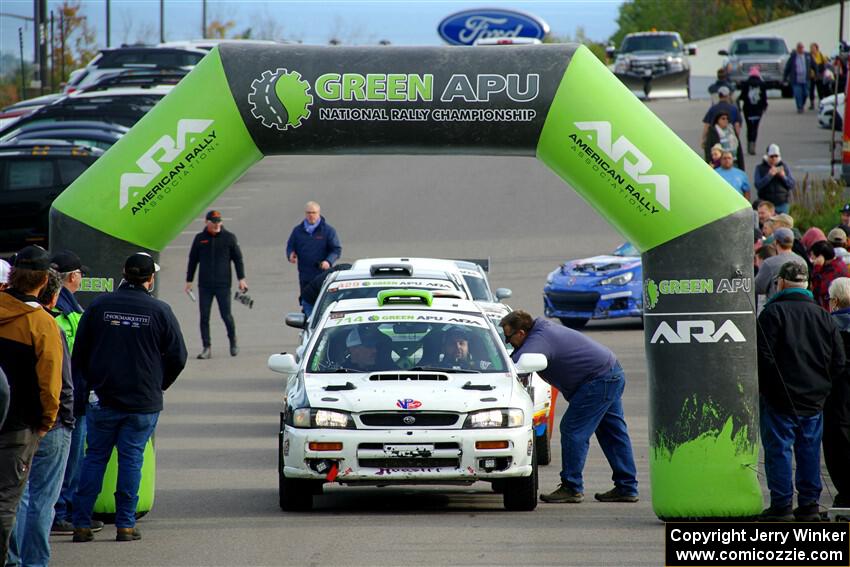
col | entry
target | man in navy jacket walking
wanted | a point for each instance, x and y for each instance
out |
(314, 246)
(592, 380)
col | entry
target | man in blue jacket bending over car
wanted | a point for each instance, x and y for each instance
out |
(592, 380)
(314, 246)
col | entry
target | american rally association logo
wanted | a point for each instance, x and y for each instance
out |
(280, 99)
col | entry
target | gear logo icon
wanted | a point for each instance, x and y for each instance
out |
(650, 294)
(280, 99)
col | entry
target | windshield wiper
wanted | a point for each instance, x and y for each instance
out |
(442, 369)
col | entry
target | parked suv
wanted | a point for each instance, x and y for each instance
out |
(110, 61)
(769, 52)
(654, 62)
(32, 174)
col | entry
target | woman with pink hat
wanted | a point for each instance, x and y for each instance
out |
(754, 100)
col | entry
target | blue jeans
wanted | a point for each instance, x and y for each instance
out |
(597, 406)
(108, 428)
(29, 543)
(801, 93)
(779, 434)
(72, 471)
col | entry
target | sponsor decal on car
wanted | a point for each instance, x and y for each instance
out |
(408, 403)
(653, 290)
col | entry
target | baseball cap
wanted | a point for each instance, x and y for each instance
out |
(794, 272)
(723, 91)
(32, 257)
(783, 235)
(837, 236)
(5, 268)
(141, 265)
(67, 261)
(773, 150)
(845, 209)
(783, 218)
(457, 332)
(214, 216)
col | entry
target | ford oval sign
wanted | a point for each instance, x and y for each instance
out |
(464, 28)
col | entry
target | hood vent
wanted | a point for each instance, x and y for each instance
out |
(411, 376)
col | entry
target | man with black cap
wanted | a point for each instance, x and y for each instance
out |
(31, 355)
(214, 248)
(68, 313)
(800, 352)
(845, 219)
(129, 349)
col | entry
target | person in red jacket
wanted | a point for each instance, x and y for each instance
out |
(826, 269)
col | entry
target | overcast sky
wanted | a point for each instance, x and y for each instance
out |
(315, 21)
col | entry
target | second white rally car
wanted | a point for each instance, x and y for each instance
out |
(407, 388)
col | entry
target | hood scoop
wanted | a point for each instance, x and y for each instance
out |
(481, 387)
(339, 387)
(408, 376)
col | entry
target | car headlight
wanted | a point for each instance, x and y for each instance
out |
(621, 66)
(622, 279)
(507, 417)
(676, 63)
(321, 418)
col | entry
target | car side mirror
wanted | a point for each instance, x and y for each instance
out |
(503, 293)
(610, 51)
(723, 52)
(297, 320)
(692, 50)
(531, 362)
(283, 363)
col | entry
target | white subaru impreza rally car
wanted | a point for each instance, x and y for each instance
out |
(406, 388)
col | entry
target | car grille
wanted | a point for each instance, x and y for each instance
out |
(657, 66)
(764, 68)
(397, 419)
(583, 301)
(407, 376)
(445, 455)
(409, 462)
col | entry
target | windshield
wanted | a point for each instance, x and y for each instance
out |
(477, 287)
(390, 341)
(626, 249)
(651, 43)
(759, 46)
(358, 289)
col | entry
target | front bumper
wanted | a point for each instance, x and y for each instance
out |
(382, 456)
(580, 304)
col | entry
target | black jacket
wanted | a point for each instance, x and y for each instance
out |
(753, 97)
(214, 252)
(310, 292)
(129, 349)
(800, 352)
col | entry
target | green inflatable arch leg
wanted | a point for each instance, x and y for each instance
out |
(553, 101)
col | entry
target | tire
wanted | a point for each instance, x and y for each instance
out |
(295, 494)
(520, 494)
(573, 322)
(542, 446)
(498, 485)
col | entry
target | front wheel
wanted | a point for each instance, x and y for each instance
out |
(295, 494)
(520, 494)
(573, 322)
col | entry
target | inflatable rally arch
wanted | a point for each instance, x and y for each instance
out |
(557, 102)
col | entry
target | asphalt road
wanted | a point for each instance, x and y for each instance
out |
(216, 498)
